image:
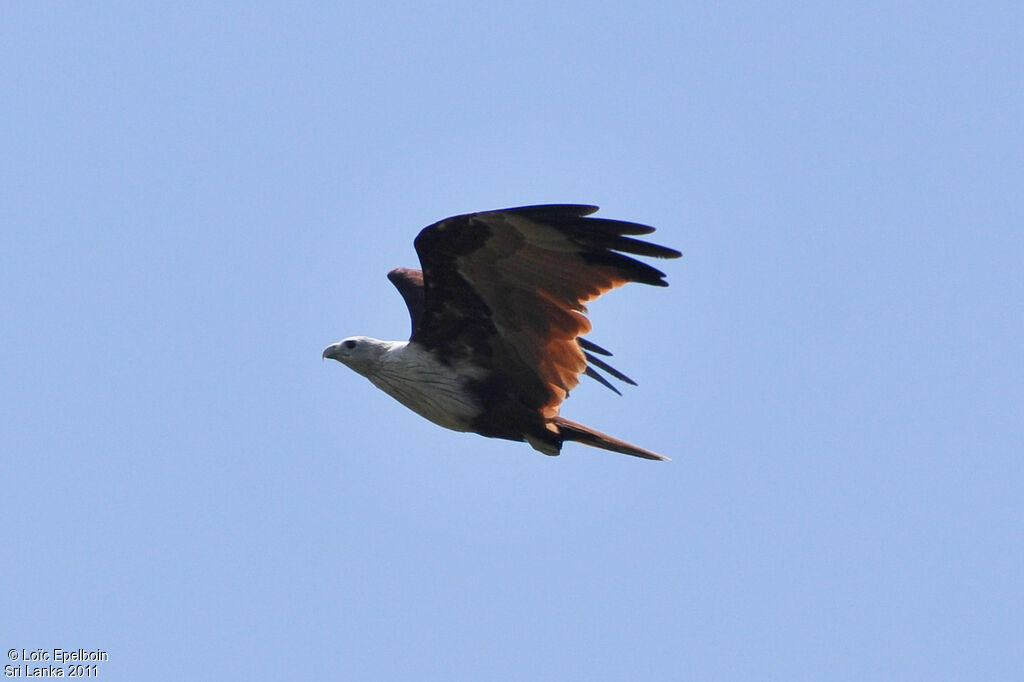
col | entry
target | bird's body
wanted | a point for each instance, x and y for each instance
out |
(498, 317)
(414, 377)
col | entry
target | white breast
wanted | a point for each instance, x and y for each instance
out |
(413, 377)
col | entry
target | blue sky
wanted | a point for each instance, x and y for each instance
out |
(196, 199)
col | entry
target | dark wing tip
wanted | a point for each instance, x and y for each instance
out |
(594, 363)
(550, 212)
(601, 364)
(634, 270)
(586, 344)
(608, 227)
(598, 377)
(604, 241)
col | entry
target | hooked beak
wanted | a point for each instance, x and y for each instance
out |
(331, 351)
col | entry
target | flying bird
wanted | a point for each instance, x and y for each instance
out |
(498, 317)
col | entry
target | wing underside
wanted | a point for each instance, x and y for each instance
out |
(409, 283)
(507, 289)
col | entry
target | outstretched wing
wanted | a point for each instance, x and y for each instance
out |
(409, 283)
(507, 290)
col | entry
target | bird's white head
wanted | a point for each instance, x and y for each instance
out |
(359, 353)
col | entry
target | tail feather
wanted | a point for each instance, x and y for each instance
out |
(570, 430)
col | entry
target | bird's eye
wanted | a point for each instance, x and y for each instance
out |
(349, 344)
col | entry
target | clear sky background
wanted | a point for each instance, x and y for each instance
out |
(196, 198)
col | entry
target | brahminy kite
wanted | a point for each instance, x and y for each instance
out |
(498, 319)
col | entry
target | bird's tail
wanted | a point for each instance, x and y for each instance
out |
(570, 430)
